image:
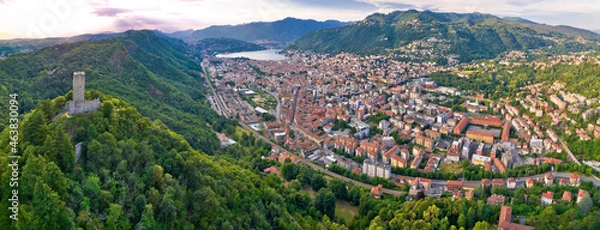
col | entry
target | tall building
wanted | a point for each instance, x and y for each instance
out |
(79, 104)
(374, 168)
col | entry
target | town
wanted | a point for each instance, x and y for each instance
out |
(380, 117)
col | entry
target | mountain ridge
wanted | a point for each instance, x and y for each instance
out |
(262, 33)
(16, 45)
(470, 35)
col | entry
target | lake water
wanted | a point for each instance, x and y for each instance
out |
(261, 55)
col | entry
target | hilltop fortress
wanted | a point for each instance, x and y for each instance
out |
(79, 104)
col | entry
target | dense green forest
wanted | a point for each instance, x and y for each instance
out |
(154, 73)
(471, 36)
(136, 173)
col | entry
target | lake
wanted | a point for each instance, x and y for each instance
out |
(260, 55)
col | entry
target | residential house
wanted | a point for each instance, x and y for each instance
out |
(575, 179)
(511, 183)
(398, 162)
(377, 191)
(273, 170)
(580, 195)
(505, 221)
(498, 183)
(567, 196)
(529, 182)
(496, 199)
(547, 198)
(469, 194)
(548, 179)
(486, 182)
(454, 185)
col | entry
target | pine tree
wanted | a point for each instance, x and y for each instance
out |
(35, 129)
(325, 202)
(49, 210)
(586, 203)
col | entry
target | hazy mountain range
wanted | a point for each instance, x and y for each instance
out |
(263, 33)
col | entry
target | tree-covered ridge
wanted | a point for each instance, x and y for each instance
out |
(135, 173)
(153, 72)
(504, 81)
(471, 36)
(13, 46)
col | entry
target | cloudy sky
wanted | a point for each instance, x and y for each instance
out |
(52, 18)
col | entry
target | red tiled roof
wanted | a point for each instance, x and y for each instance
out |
(567, 196)
(377, 190)
(548, 195)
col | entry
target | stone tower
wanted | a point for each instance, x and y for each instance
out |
(79, 104)
(78, 89)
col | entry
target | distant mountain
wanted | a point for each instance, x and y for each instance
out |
(214, 46)
(268, 33)
(11, 46)
(471, 36)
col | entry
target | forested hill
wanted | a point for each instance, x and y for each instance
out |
(134, 173)
(11, 46)
(471, 36)
(152, 72)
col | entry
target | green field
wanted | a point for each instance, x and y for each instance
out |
(450, 168)
(345, 212)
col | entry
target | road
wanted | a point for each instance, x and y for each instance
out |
(278, 108)
(220, 106)
(521, 180)
(321, 169)
(293, 121)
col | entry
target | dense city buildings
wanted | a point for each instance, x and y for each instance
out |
(372, 119)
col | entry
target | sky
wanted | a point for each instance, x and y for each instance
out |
(61, 18)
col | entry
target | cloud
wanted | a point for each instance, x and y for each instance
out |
(502, 8)
(335, 4)
(143, 22)
(394, 5)
(110, 12)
